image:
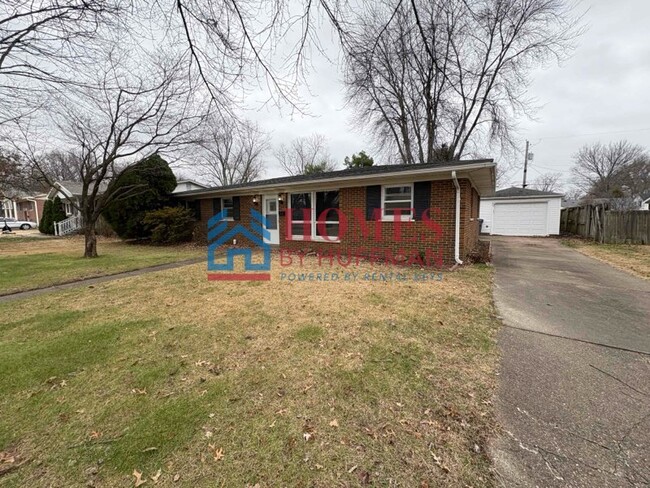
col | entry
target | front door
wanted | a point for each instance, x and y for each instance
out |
(270, 207)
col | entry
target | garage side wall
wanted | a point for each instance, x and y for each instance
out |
(487, 207)
(554, 212)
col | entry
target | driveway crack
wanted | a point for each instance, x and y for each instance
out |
(619, 380)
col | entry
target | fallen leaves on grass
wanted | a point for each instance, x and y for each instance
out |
(156, 476)
(138, 478)
(334, 423)
(364, 477)
(95, 435)
(438, 461)
(6, 457)
(217, 453)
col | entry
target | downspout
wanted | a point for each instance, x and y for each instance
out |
(457, 229)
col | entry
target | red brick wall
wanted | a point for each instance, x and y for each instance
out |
(397, 239)
(245, 203)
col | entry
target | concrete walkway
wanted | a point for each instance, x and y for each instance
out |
(100, 279)
(574, 393)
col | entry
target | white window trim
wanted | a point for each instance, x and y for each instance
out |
(313, 237)
(392, 218)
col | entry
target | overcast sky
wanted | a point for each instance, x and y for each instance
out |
(601, 94)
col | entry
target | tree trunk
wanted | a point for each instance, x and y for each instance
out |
(90, 250)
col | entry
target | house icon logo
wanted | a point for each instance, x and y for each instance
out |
(220, 235)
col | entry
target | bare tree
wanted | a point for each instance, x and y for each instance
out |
(231, 152)
(11, 175)
(59, 165)
(635, 177)
(128, 115)
(46, 41)
(602, 171)
(550, 182)
(504, 173)
(573, 194)
(425, 74)
(305, 153)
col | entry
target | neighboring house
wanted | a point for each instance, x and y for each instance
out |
(521, 212)
(188, 185)
(7, 208)
(645, 203)
(447, 191)
(31, 207)
(23, 206)
(70, 193)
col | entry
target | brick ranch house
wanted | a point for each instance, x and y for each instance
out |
(406, 208)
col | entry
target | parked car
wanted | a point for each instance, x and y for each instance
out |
(17, 224)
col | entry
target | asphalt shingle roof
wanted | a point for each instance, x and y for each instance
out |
(76, 187)
(344, 173)
(524, 192)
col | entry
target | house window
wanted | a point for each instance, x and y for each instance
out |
(394, 198)
(305, 215)
(228, 205)
(326, 203)
(68, 208)
(301, 215)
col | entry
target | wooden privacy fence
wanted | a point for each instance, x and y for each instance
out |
(607, 226)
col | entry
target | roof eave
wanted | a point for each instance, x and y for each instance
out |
(357, 179)
(521, 197)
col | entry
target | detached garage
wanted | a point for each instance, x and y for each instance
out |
(521, 212)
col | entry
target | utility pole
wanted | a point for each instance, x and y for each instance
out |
(525, 165)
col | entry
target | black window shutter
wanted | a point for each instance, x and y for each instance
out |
(236, 213)
(216, 206)
(421, 198)
(373, 201)
(196, 208)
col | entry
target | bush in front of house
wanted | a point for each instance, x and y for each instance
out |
(52, 212)
(170, 225)
(139, 189)
(58, 212)
(46, 225)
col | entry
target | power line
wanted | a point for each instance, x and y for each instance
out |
(592, 134)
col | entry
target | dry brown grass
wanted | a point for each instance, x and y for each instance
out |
(18, 246)
(299, 384)
(26, 264)
(628, 257)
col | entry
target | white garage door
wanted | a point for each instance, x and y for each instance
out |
(520, 219)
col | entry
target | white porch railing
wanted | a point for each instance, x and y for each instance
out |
(68, 226)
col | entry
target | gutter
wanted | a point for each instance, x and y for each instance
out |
(457, 228)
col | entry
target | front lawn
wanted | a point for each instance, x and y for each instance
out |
(629, 257)
(240, 384)
(26, 264)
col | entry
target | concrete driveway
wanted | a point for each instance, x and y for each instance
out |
(574, 393)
